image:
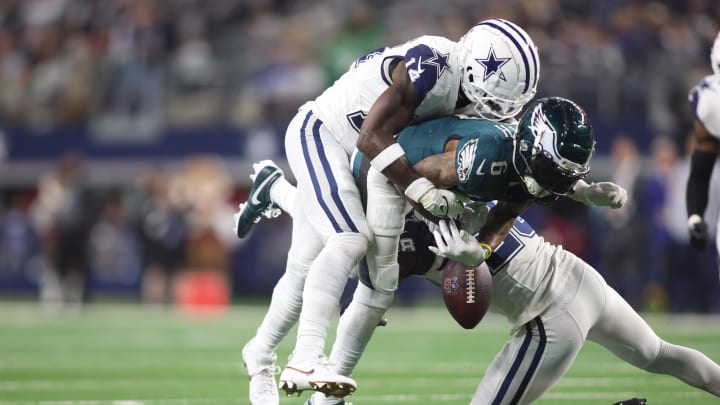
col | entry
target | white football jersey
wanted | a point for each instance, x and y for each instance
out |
(528, 274)
(434, 72)
(705, 103)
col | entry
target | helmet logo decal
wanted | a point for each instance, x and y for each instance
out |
(492, 65)
(542, 129)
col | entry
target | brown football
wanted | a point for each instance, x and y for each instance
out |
(466, 291)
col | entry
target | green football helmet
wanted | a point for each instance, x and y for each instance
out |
(552, 147)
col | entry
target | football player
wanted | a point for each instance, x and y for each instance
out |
(492, 71)
(705, 105)
(554, 302)
(496, 145)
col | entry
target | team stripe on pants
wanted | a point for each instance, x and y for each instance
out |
(527, 360)
(321, 175)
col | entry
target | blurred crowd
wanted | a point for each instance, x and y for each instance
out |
(67, 237)
(252, 62)
(134, 67)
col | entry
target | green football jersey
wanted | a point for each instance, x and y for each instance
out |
(483, 157)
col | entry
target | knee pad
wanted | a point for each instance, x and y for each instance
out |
(350, 244)
(382, 265)
(297, 268)
(368, 297)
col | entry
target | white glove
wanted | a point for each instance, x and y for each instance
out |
(603, 194)
(438, 202)
(458, 245)
(474, 216)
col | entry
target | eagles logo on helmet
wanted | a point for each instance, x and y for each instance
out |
(552, 147)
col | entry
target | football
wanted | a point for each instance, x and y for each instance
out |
(466, 292)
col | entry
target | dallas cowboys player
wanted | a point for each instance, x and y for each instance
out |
(705, 105)
(554, 301)
(380, 94)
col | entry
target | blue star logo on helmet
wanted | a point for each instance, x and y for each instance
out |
(492, 65)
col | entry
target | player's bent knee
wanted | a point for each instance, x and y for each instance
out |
(649, 357)
(297, 268)
(352, 244)
(372, 298)
(384, 277)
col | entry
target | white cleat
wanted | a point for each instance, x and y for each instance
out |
(317, 376)
(261, 371)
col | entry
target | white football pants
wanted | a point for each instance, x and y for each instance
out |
(544, 348)
(330, 233)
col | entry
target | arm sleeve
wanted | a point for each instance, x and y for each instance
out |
(701, 167)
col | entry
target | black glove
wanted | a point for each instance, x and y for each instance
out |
(698, 232)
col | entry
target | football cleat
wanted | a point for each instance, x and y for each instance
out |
(319, 398)
(315, 375)
(259, 203)
(261, 372)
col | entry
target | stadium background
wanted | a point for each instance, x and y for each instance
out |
(128, 129)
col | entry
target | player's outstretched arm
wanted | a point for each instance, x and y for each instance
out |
(602, 194)
(390, 113)
(500, 220)
(701, 168)
(458, 245)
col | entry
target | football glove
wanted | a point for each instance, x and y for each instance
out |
(474, 216)
(458, 245)
(438, 202)
(603, 194)
(698, 232)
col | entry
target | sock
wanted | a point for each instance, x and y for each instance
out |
(284, 310)
(282, 193)
(356, 327)
(324, 285)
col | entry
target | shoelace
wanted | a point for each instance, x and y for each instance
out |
(268, 387)
(271, 212)
(267, 370)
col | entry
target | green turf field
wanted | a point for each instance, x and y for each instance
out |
(130, 355)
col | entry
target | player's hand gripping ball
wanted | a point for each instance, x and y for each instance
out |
(466, 291)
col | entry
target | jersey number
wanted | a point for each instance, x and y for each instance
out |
(406, 245)
(496, 168)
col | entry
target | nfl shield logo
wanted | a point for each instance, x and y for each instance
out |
(450, 285)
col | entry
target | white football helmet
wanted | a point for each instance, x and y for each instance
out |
(500, 69)
(715, 56)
